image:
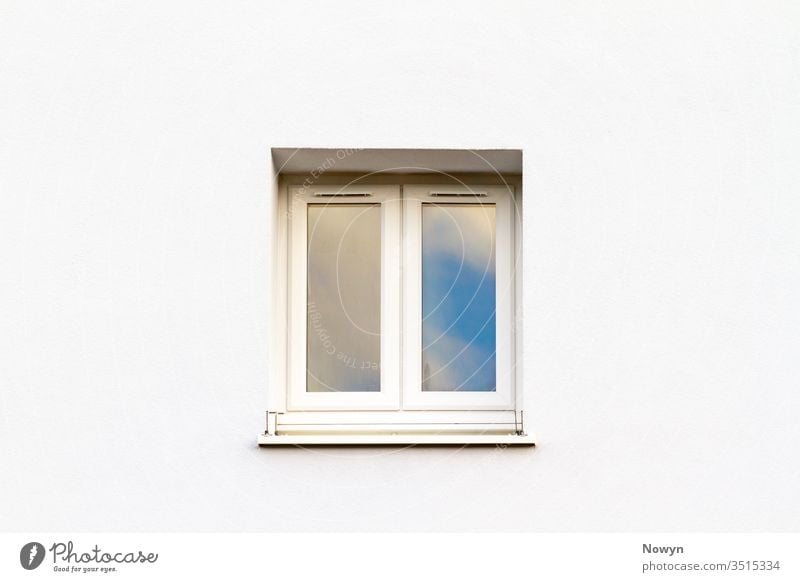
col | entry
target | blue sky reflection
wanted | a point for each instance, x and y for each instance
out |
(458, 298)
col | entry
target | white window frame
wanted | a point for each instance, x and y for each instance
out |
(388, 197)
(401, 413)
(503, 397)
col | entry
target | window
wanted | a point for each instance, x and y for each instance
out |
(399, 315)
(344, 298)
(459, 296)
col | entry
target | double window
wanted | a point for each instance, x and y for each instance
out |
(400, 303)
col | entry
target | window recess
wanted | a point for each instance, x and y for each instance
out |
(395, 304)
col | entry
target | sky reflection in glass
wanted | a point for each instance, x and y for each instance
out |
(458, 298)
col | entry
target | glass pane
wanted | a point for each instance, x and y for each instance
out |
(344, 298)
(458, 297)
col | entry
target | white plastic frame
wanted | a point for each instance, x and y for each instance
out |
(414, 398)
(392, 416)
(388, 197)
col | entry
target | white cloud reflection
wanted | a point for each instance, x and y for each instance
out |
(457, 230)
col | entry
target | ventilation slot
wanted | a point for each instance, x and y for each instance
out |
(342, 195)
(459, 194)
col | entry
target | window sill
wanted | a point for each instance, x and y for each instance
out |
(396, 439)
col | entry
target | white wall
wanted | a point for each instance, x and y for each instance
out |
(663, 235)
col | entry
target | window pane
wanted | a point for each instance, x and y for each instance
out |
(344, 290)
(458, 297)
